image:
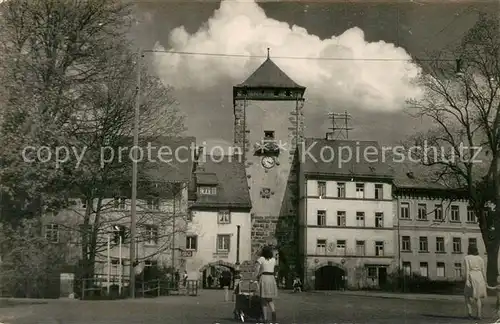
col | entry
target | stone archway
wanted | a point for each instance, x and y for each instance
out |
(329, 276)
(220, 263)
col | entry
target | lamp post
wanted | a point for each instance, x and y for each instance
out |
(133, 209)
(237, 276)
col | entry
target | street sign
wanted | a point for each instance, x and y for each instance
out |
(186, 254)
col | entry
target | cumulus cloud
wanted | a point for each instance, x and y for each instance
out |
(242, 27)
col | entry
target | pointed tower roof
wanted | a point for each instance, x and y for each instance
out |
(269, 75)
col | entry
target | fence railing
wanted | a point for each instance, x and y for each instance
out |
(98, 288)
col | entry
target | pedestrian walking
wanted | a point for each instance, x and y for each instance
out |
(268, 289)
(475, 281)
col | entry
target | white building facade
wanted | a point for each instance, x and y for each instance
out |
(346, 223)
(220, 225)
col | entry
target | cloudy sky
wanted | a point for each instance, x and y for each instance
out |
(373, 92)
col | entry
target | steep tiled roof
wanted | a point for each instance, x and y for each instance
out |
(269, 75)
(232, 186)
(176, 153)
(319, 161)
(410, 175)
(206, 178)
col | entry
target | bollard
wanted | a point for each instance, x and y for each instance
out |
(226, 293)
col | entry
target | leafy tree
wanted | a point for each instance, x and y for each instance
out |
(461, 101)
(30, 265)
(68, 79)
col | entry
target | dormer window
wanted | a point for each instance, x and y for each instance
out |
(207, 190)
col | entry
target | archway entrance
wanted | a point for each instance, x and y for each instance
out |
(215, 274)
(329, 278)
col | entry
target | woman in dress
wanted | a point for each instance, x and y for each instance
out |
(267, 283)
(475, 281)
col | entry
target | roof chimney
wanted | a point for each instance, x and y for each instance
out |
(329, 136)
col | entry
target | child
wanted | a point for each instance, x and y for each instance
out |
(497, 289)
(297, 285)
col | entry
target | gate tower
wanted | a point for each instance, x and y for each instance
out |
(268, 126)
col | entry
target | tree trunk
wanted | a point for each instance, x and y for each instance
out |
(492, 266)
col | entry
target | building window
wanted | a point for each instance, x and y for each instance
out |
(379, 219)
(269, 135)
(223, 243)
(153, 203)
(372, 272)
(379, 191)
(321, 217)
(151, 234)
(322, 188)
(360, 219)
(473, 241)
(224, 217)
(150, 263)
(341, 190)
(360, 190)
(341, 247)
(405, 210)
(440, 269)
(341, 218)
(119, 203)
(438, 212)
(422, 212)
(455, 214)
(407, 268)
(192, 243)
(379, 248)
(424, 269)
(360, 248)
(207, 191)
(471, 215)
(423, 245)
(440, 244)
(321, 247)
(405, 243)
(52, 233)
(458, 270)
(457, 245)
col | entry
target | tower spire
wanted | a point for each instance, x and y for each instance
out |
(268, 49)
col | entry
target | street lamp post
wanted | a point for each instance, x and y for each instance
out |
(133, 209)
(237, 276)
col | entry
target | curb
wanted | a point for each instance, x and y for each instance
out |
(399, 296)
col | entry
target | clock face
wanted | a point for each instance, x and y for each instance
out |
(268, 162)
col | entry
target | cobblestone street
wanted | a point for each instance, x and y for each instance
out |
(209, 307)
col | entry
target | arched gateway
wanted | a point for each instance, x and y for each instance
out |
(215, 270)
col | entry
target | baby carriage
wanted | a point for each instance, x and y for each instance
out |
(248, 304)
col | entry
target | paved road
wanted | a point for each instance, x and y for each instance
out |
(209, 308)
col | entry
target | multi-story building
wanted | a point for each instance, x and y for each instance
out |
(434, 226)
(162, 202)
(219, 205)
(345, 215)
